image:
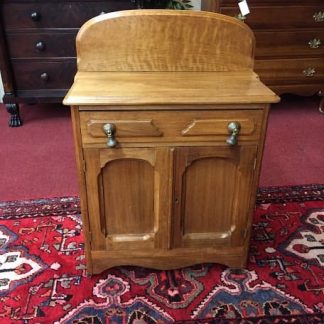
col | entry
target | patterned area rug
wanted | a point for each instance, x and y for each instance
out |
(43, 277)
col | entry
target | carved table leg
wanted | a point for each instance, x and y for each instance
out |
(14, 119)
(321, 105)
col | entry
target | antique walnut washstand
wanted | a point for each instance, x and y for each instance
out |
(169, 123)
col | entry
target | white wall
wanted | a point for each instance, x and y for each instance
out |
(196, 6)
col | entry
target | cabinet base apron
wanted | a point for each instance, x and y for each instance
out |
(168, 259)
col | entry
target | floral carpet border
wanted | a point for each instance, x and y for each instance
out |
(71, 205)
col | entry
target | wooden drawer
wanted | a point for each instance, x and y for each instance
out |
(42, 44)
(277, 17)
(288, 71)
(289, 43)
(30, 74)
(167, 126)
(58, 14)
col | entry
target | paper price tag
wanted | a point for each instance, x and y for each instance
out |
(244, 8)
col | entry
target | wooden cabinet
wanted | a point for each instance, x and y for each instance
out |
(37, 47)
(289, 42)
(172, 192)
(172, 185)
(168, 150)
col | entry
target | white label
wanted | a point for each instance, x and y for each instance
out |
(244, 8)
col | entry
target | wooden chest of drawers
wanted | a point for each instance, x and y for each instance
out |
(168, 150)
(289, 42)
(171, 192)
(37, 47)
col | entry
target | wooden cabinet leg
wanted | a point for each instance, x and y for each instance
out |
(14, 119)
(321, 105)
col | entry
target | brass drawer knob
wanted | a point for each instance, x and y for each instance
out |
(110, 129)
(315, 43)
(40, 46)
(44, 76)
(309, 72)
(35, 16)
(234, 130)
(318, 16)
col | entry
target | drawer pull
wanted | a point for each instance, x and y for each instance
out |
(318, 16)
(315, 43)
(40, 46)
(110, 129)
(35, 16)
(309, 72)
(44, 76)
(234, 130)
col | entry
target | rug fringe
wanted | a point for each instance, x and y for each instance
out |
(283, 194)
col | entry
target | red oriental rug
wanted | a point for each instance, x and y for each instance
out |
(43, 277)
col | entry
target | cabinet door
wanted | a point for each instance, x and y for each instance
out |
(128, 198)
(212, 193)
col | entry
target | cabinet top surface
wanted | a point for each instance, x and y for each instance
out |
(160, 88)
(184, 58)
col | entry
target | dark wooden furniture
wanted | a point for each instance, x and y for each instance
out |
(289, 55)
(168, 149)
(37, 47)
